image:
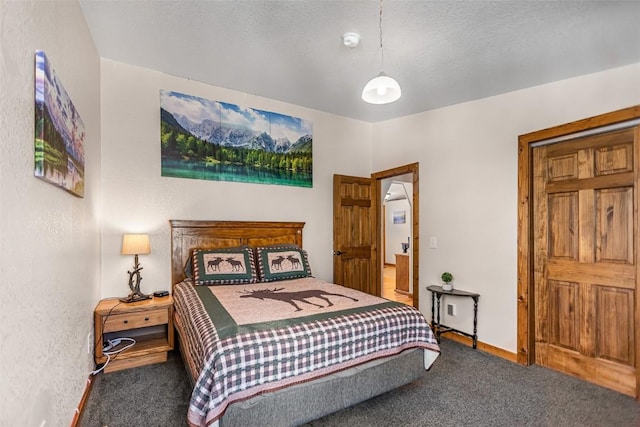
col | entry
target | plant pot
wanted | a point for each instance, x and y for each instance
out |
(447, 286)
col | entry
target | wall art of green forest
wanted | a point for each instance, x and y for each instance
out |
(212, 140)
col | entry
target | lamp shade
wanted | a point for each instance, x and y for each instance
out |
(135, 244)
(381, 90)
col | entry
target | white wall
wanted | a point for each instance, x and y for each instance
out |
(49, 239)
(138, 199)
(468, 184)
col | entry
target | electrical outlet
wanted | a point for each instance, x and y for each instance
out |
(451, 309)
(90, 343)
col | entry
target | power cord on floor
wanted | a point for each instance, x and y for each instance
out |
(108, 351)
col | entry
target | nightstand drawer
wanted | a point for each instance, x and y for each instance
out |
(122, 322)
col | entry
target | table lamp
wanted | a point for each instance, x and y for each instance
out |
(135, 244)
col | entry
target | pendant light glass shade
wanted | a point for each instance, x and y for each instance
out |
(381, 90)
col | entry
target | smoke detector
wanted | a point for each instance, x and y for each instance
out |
(351, 39)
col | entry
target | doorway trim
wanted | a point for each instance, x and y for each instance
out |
(377, 178)
(525, 291)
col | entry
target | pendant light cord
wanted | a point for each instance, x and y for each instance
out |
(381, 46)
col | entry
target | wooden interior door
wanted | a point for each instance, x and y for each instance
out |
(585, 260)
(353, 234)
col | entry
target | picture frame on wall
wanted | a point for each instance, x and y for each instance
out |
(59, 132)
(399, 217)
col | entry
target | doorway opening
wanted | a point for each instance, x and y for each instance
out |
(397, 195)
(397, 226)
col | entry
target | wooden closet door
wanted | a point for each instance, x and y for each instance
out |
(585, 221)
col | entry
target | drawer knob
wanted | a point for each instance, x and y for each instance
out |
(126, 321)
(146, 319)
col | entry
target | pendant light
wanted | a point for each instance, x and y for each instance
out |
(381, 89)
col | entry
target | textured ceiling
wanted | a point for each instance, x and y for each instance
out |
(441, 52)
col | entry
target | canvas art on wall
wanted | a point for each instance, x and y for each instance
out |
(213, 140)
(59, 131)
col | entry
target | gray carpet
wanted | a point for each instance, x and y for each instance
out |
(149, 396)
(465, 387)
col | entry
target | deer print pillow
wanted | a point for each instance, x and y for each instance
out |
(282, 263)
(227, 266)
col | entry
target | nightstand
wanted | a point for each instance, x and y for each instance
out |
(149, 322)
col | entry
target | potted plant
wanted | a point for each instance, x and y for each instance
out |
(447, 278)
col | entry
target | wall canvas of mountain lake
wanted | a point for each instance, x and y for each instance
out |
(59, 131)
(213, 140)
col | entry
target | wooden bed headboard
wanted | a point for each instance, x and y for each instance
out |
(187, 235)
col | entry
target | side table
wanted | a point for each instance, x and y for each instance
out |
(436, 293)
(149, 321)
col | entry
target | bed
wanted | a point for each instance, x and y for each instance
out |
(259, 337)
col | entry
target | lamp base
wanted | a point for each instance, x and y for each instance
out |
(135, 297)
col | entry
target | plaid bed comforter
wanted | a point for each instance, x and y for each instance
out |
(240, 361)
